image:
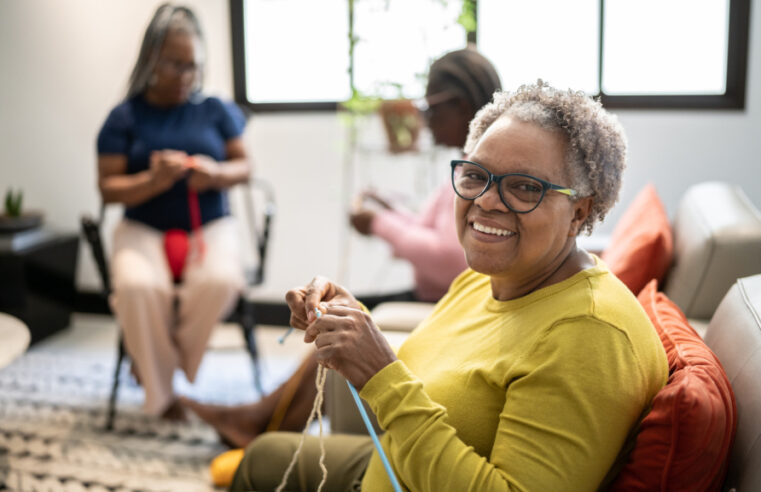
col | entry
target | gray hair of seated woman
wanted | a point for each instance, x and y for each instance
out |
(596, 155)
(168, 18)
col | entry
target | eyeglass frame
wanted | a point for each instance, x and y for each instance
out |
(426, 104)
(177, 68)
(497, 179)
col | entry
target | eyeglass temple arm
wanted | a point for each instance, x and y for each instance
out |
(565, 191)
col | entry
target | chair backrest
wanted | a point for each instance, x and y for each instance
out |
(717, 239)
(734, 335)
(259, 210)
(91, 230)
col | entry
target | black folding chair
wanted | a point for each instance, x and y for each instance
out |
(244, 313)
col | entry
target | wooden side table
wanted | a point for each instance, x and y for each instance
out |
(15, 336)
(37, 274)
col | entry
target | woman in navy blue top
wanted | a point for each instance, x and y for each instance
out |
(169, 153)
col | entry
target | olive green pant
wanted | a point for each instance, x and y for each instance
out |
(268, 456)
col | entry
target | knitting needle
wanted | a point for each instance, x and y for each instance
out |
(371, 430)
(281, 340)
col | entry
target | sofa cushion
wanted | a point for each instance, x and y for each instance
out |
(734, 335)
(684, 441)
(641, 246)
(717, 239)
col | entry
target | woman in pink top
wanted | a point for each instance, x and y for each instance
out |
(459, 84)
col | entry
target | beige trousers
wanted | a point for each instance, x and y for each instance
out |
(157, 337)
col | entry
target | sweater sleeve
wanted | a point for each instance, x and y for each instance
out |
(566, 415)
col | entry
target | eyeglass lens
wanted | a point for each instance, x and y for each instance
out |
(521, 193)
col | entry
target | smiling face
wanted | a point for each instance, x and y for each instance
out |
(519, 251)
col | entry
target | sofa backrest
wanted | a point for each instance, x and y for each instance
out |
(717, 239)
(734, 335)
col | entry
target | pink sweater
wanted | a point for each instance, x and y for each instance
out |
(427, 240)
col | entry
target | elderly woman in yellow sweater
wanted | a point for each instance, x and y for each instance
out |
(534, 370)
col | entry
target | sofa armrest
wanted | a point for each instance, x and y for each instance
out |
(717, 239)
(400, 316)
(734, 335)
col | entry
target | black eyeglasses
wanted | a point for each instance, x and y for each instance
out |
(521, 193)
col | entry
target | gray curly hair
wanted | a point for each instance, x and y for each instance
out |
(596, 142)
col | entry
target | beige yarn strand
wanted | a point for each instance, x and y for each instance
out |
(322, 373)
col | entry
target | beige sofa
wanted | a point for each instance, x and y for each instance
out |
(717, 239)
(734, 335)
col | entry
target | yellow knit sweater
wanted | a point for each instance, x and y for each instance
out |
(538, 393)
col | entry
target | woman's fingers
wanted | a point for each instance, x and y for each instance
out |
(319, 289)
(295, 300)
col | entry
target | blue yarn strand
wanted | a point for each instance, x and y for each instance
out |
(371, 430)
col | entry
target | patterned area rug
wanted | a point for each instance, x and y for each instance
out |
(53, 412)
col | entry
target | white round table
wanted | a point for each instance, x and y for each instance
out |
(14, 338)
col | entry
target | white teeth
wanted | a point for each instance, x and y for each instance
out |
(492, 230)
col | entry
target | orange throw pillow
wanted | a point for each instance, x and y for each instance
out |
(642, 245)
(684, 442)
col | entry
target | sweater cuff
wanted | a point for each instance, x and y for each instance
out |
(388, 387)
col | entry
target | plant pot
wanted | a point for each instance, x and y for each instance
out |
(27, 220)
(402, 122)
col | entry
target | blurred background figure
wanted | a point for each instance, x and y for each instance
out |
(169, 153)
(459, 84)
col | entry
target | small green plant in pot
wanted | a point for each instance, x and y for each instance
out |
(14, 218)
(13, 203)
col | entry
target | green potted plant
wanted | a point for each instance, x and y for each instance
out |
(14, 218)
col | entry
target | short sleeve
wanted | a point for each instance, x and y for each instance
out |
(114, 135)
(231, 120)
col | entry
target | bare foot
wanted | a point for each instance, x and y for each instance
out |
(236, 425)
(175, 412)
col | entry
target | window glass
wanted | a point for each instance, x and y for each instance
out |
(665, 47)
(555, 40)
(296, 50)
(398, 40)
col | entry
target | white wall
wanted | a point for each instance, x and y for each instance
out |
(64, 64)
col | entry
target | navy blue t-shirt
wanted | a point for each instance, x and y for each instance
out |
(202, 125)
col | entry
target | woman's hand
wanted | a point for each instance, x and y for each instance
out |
(348, 341)
(166, 167)
(373, 195)
(362, 220)
(204, 173)
(303, 300)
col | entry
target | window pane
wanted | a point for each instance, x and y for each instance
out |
(555, 40)
(296, 50)
(665, 46)
(397, 42)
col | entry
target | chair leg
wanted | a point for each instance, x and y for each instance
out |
(111, 414)
(247, 322)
